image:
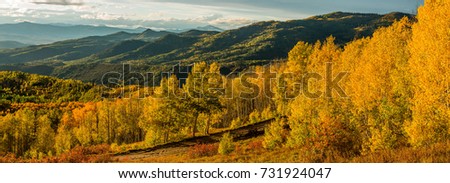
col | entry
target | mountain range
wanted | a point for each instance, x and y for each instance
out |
(12, 44)
(28, 33)
(90, 57)
(33, 33)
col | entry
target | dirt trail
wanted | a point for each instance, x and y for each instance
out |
(177, 148)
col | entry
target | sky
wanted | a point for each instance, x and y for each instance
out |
(181, 14)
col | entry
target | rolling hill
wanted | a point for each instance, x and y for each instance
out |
(33, 33)
(22, 87)
(12, 44)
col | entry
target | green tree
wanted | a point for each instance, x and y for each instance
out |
(202, 94)
(273, 136)
(226, 145)
(164, 115)
(64, 140)
(45, 141)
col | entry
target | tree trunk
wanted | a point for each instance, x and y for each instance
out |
(207, 126)
(194, 127)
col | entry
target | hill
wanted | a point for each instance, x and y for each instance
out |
(33, 33)
(11, 44)
(270, 40)
(202, 28)
(19, 87)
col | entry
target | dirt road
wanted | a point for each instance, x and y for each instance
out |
(181, 147)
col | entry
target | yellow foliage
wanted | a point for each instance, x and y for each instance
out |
(430, 69)
(226, 145)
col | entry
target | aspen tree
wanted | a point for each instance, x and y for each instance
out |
(430, 69)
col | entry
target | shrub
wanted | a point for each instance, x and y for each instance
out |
(9, 158)
(226, 145)
(267, 113)
(255, 145)
(96, 154)
(203, 150)
(273, 135)
(236, 123)
(255, 117)
(325, 134)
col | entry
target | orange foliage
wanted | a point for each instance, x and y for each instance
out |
(202, 150)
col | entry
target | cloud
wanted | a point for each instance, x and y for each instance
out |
(102, 16)
(59, 2)
(210, 17)
(182, 14)
(15, 12)
(22, 20)
(295, 8)
(231, 23)
(163, 24)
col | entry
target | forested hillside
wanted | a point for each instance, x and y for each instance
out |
(18, 87)
(261, 42)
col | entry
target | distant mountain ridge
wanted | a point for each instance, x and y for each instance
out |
(34, 33)
(12, 44)
(202, 28)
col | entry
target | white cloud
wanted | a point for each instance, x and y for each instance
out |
(137, 13)
(171, 14)
(59, 2)
(230, 23)
(210, 17)
(22, 20)
(102, 16)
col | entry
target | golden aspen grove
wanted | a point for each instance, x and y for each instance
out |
(380, 98)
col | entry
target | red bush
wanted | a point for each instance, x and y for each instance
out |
(254, 145)
(93, 154)
(203, 150)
